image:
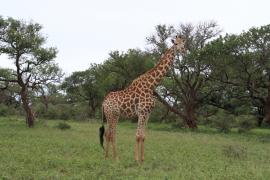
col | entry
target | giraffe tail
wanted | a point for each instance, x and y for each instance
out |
(102, 130)
(101, 134)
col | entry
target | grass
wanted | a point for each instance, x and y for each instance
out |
(46, 152)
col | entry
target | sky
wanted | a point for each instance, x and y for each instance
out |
(85, 31)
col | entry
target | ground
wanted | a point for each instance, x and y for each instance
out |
(46, 152)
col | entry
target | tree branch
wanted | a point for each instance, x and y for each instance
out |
(171, 108)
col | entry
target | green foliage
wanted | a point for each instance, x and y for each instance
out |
(223, 121)
(79, 111)
(246, 123)
(63, 125)
(7, 110)
(228, 72)
(34, 64)
(3, 110)
(85, 87)
(186, 81)
(240, 64)
(120, 69)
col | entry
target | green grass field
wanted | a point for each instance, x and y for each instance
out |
(46, 152)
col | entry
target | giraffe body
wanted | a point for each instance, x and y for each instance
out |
(137, 101)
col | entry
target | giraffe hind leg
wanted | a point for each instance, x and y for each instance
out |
(110, 135)
(113, 145)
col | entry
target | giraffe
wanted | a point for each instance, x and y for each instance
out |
(137, 100)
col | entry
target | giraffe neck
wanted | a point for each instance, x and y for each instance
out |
(155, 75)
(152, 78)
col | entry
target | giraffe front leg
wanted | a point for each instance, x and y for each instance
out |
(136, 150)
(140, 134)
(139, 146)
(142, 148)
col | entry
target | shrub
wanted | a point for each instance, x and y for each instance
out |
(245, 123)
(235, 151)
(265, 139)
(40, 110)
(7, 110)
(223, 121)
(63, 126)
(3, 110)
(81, 112)
(178, 124)
(265, 124)
(51, 112)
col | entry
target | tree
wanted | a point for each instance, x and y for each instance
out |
(84, 86)
(241, 64)
(23, 43)
(181, 90)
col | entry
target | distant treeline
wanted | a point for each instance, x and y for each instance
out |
(222, 80)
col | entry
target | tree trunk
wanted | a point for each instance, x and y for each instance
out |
(46, 102)
(190, 118)
(267, 108)
(28, 111)
(191, 123)
(92, 105)
(260, 116)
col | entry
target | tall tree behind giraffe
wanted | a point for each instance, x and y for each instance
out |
(189, 75)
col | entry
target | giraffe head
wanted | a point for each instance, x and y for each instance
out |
(179, 44)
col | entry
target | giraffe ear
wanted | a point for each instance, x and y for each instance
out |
(172, 41)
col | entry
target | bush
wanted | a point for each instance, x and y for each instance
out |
(264, 139)
(63, 126)
(59, 111)
(3, 110)
(235, 151)
(51, 113)
(223, 121)
(245, 123)
(178, 124)
(40, 110)
(81, 112)
(7, 110)
(265, 124)
(78, 111)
